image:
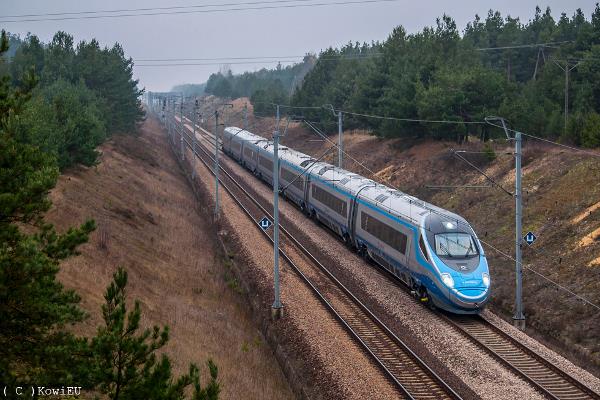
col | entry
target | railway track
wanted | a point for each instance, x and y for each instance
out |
(542, 374)
(411, 375)
(548, 379)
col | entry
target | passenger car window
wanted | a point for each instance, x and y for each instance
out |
(384, 232)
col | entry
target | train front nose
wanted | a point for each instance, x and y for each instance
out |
(470, 294)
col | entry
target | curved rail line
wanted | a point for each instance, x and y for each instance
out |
(411, 375)
(548, 379)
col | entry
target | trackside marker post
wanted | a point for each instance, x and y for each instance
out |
(194, 138)
(340, 139)
(530, 238)
(519, 317)
(217, 158)
(277, 308)
(265, 223)
(216, 164)
(181, 127)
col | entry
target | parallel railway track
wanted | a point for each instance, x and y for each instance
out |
(553, 382)
(413, 378)
(548, 379)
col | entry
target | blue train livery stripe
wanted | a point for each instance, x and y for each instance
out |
(349, 196)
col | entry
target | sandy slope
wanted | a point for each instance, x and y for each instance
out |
(149, 223)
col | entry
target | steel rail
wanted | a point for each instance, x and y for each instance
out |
(493, 347)
(553, 382)
(442, 390)
(550, 380)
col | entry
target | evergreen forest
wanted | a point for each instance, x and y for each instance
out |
(58, 102)
(495, 66)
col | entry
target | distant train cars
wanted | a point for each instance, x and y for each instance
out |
(433, 251)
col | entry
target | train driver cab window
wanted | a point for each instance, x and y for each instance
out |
(456, 245)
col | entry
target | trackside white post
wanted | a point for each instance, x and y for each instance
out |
(195, 112)
(170, 119)
(181, 126)
(566, 96)
(216, 164)
(340, 139)
(519, 317)
(277, 308)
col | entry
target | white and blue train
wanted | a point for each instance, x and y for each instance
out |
(433, 251)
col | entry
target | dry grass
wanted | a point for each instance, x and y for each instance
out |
(149, 223)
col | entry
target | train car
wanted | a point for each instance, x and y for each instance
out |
(234, 139)
(293, 175)
(433, 251)
(329, 201)
(228, 133)
(250, 154)
(264, 166)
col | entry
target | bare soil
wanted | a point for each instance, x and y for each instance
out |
(149, 222)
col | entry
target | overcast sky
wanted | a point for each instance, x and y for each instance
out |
(280, 32)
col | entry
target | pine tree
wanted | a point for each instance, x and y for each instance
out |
(127, 366)
(34, 306)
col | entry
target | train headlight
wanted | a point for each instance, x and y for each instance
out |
(486, 279)
(449, 225)
(447, 279)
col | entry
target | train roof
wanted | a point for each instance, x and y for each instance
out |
(404, 206)
(396, 202)
(292, 156)
(339, 177)
(295, 157)
(243, 134)
(407, 207)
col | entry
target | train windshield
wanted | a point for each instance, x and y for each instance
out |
(458, 245)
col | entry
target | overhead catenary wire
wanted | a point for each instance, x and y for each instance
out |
(216, 63)
(274, 58)
(216, 10)
(456, 153)
(528, 267)
(524, 46)
(266, 61)
(150, 9)
(432, 121)
(488, 120)
(366, 55)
